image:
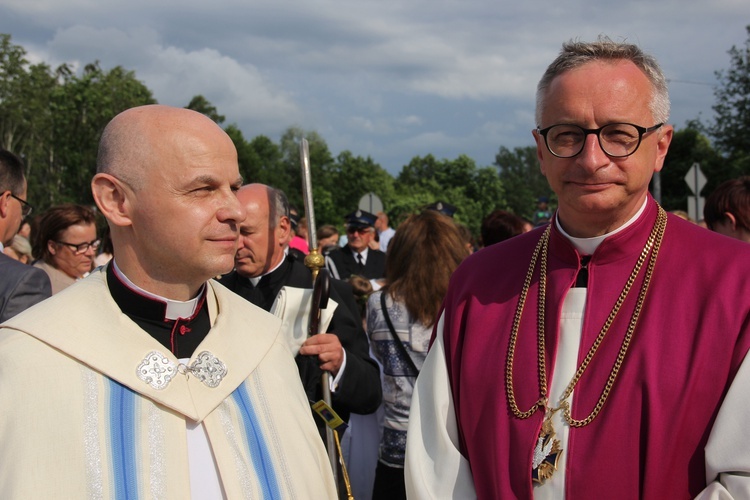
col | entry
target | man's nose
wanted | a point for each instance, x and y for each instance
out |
(233, 210)
(592, 155)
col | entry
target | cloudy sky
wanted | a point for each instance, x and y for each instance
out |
(390, 79)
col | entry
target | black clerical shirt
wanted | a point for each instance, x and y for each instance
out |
(181, 336)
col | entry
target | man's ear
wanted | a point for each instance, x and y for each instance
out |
(284, 230)
(4, 199)
(113, 198)
(662, 146)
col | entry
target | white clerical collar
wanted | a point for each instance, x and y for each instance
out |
(256, 279)
(175, 308)
(587, 246)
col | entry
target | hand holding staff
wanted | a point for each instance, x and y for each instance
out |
(321, 290)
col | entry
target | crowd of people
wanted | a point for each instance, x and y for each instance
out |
(171, 354)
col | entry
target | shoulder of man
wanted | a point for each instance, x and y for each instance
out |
(21, 287)
(299, 275)
(229, 280)
(338, 251)
(11, 268)
(379, 254)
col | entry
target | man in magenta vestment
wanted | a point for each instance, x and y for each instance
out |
(601, 355)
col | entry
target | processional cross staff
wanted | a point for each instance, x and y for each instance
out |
(321, 291)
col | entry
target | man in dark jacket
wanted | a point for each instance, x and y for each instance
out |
(357, 257)
(21, 285)
(263, 267)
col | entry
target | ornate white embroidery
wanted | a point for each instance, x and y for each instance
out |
(209, 369)
(156, 370)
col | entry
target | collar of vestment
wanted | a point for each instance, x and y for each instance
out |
(84, 322)
(588, 246)
(256, 279)
(609, 268)
(264, 291)
(172, 309)
(616, 246)
(178, 326)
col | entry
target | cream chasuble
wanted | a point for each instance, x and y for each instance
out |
(81, 421)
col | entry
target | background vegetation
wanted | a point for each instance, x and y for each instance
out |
(53, 118)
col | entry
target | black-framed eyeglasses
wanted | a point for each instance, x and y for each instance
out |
(360, 230)
(26, 207)
(80, 248)
(618, 140)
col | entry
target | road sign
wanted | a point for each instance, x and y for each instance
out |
(371, 203)
(695, 207)
(696, 181)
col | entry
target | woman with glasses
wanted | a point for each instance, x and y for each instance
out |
(65, 244)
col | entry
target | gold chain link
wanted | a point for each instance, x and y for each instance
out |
(652, 247)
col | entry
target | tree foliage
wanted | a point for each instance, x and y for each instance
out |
(247, 157)
(351, 177)
(522, 179)
(289, 170)
(81, 108)
(53, 119)
(202, 105)
(731, 128)
(690, 146)
(474, 191)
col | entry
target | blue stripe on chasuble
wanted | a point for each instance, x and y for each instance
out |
(122, 407)
(256, 444)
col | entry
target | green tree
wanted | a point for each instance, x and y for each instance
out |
(474, 191)
(689, 146)
(247, 157)
(25, 94)
(53, 119)
(269, 161)
(289, 174)
(522, 179)
(202, 105)
(424, 171)
(731, 128)
(81, 106)
(349, 178)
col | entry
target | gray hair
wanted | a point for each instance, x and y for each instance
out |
(575, 54)
(278, 206)
(11, 173)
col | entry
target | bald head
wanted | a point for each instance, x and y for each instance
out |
(275, 200)
(265, 232)
(255, 194)
(136, 139)
(166, 181)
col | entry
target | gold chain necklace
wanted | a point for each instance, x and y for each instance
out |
(547, 451)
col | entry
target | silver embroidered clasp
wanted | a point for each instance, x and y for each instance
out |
(209, 369)
(156, 370)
